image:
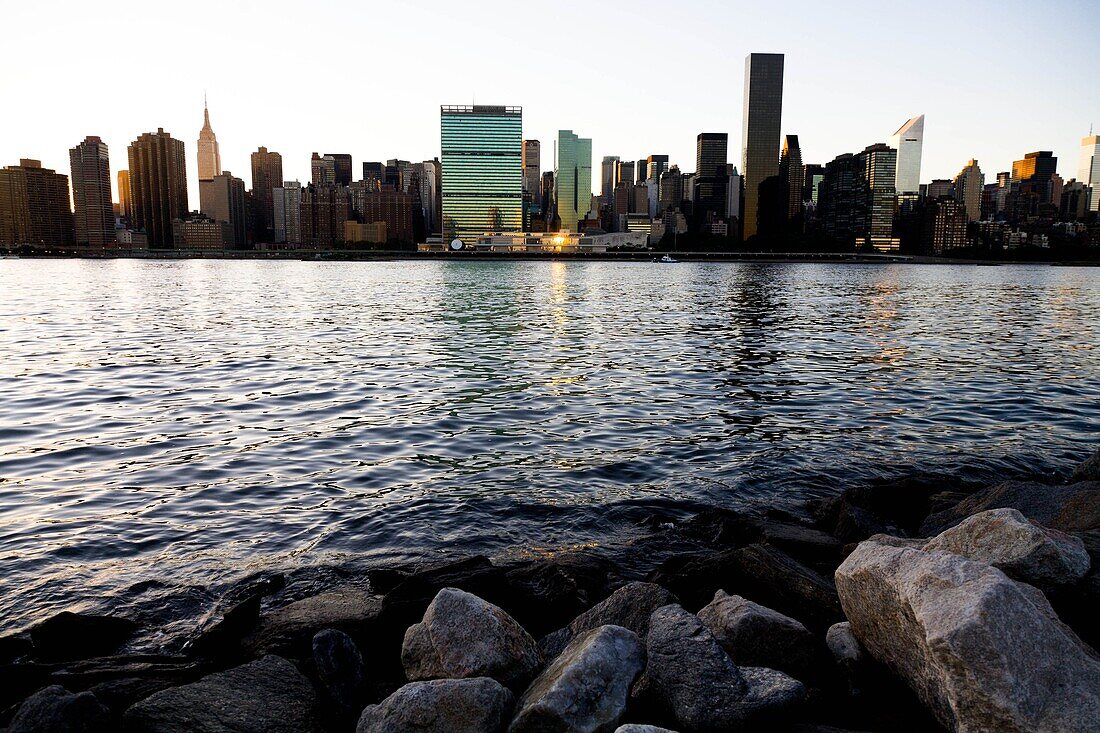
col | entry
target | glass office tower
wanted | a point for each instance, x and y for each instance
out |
(909, 142)
(760, 130)
(482, 178)
(574, 179)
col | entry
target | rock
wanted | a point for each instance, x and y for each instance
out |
(289, 630)
(846, 649)
(476, 705)
(220, 633)
(983, 652)
(1087, 470)
(756, 636)
(339, 667)
(70, 636)
(463, 636)
(689, 678)
(854, 524)
(544, 594)
(819, 550)
(14, 648)
(630, 607)
(632, 728)
(1005, 539)
(779, 581)
(56, 710)
(266, 696)
(584, 690)
(1073, 508)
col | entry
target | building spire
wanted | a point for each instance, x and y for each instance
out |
(205, 113)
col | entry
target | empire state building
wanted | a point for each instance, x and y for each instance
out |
(210, 162)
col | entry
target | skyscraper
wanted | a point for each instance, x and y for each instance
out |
(267, 174)
(158, 185)
(573, 176)
(879, 163)
(792, 174)
(223, 200)
(532, 166)
(711, 154)
(210, 159)
(760, 130)
(286, 203)
(609, 170)
(1088, 172)
(909, 142)
(93, 214)
(968, 189)
(34, 205)
(655, 165)
(482, 177)
(342, 168)
(125, 200)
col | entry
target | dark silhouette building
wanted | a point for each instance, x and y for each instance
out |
(267, 175)
(792, 174)
(34, 206)
(93, 211)
(324, 210)
(763, 112)
(158, 185)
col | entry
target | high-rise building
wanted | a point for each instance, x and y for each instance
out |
(609, 170)
(93, 213)
(34, 206)
(158, 185)
(909, 142)
(625, 172)
(733, 192)
(286, 203)
(223, 200)
(791, 173)
(944, 226)
(374, 171)
(642, 170)
(342, 168)
(482, 177)
(394, 207)
(671, 192)
(532, 166)
(879, 163)
(938, 188)
(125, 200)
(573, 177)
(760, 130)
(1075, 201)
(655, 165)
(968, 189)
(1035, 188)
(711, 154)
(210, 159)
(428, 176)
(842, 204)
(324, 210)
(1088, 172)
(267, 175)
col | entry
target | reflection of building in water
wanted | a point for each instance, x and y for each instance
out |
(548, 242)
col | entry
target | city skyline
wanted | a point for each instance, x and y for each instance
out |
(825, 96)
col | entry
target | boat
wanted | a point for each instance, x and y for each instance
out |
(667, 258)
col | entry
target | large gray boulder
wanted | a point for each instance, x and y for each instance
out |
(1007, 540)
(289, 631)
(630, 607)
(475, 705)
(982, 651)
(845, 647)
(56, 710)
(691, 679)
(339, 667)
(584, 690)
(1073, 508)
(756, 636)
(463, 636)
(269, 695)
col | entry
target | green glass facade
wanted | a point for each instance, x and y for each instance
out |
(574, 179)
(482, 162)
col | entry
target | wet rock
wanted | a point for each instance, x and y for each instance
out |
(778, 581)
(633, 728)
(71, 636)
(544, 594)
(1087, 470)
(854, 524)
(476, 705)
(339, 667)
(584, 690)
(120, 681)
(405, 602)
(1005, 539)
(220, 633)
(463, 636)
(690, 679)
(815, 548)
(630, 607)
(845, 647)
(983, 652)
(1073, 508)
(289, 630)
(14, 648)
(756, 636)
(56, 710)
(269, 695)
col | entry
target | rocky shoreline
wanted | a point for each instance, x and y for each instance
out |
(908, 606)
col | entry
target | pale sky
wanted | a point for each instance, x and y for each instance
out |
(996, 78)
